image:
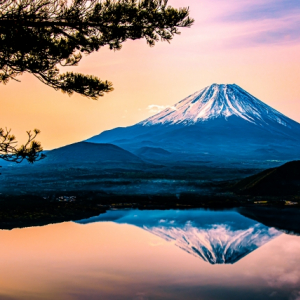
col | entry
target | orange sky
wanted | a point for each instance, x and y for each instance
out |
(255, 44)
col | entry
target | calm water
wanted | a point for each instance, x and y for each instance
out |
(132, 254)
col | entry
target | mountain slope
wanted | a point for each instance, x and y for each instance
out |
(224, 100)
(283, 180)
(218, 244)
(220, 121)
(84, 152)
(152, 153)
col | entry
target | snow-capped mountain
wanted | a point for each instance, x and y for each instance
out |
(215, 101)
(216, 237)
(220, 122)
(218, 244)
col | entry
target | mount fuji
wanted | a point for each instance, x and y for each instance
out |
(222, 121)
(217, 237)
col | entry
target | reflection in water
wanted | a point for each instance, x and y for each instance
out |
(114, 261)
(216, 237)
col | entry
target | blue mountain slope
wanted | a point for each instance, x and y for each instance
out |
(220, 120)
(83, 152)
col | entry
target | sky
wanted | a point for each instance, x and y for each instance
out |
(252, 43)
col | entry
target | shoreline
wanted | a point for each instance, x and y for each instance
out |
(19, 211)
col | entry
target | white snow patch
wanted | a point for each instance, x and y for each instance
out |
(217, 100)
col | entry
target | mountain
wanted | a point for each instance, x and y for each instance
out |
(84, 152)
(152, 153)
(220, 100)
(222, 121)
(218, 244)
(280, 181)
(217, 237)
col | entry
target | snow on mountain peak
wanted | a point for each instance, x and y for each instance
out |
(218, 244)
(218, 100)
(218, 237)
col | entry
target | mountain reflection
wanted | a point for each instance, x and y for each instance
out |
(218, 237)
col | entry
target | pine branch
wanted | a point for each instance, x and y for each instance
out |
(38, 35)
(30, 151)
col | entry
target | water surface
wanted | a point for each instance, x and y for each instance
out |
(132, 254)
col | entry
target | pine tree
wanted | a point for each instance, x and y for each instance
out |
(38, 36)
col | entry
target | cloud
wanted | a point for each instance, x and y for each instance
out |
(153, 108)
(264, 22)
(283, 34)
(262, 10)
(241, 24)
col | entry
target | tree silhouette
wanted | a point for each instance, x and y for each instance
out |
(39, 36)
(9, 151)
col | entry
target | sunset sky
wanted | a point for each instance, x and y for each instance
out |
(253, 43)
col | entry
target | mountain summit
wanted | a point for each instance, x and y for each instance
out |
(218, 100)
(222, 122)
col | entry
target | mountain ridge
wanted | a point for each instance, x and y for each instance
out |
(82, 152)
(218, 244)
(215, 101)
(283, 180)
(220, 122)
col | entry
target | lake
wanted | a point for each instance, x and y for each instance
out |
(151, 254)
